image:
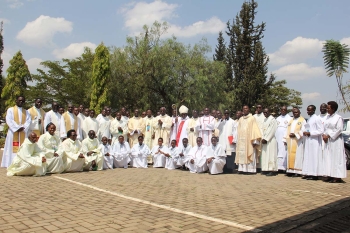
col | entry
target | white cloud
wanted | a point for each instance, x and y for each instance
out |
(41, 31)
(310, 96)
(33, 64)
(73, 50)
(345, 41)
(298, 50)
(299, 71)
(142, 13)
(14, 3)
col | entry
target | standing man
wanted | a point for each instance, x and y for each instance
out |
(269, 165)
(18, 121)
(103, 126)
(312, 132)
(182, 125)
(69, 121)
(174, 125)
(53, 116)
(37, 115)
(322, 161)
(205, 126)
(191, 128)
(260, 118)
(136, 126)
(225, 125)
(162, 125)
(118, 127)
(149, 133)
(90, 123)
(248, 138)
(282, 124)
(81, 115)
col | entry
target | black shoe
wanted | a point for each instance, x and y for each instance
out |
(289, 174)
(305, 177)
(271, 174)
(296, 175)
(312, 178)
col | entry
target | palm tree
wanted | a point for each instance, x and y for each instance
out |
(336, 60)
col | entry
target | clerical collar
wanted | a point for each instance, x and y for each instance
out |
(91, 140)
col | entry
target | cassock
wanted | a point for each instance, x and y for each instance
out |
(50, 144)
(103, 128)
(28, 161)
(260, 118)
(55, 118)
(82, 118)
(138, 124)
(139, 154)
(226, 137)
(199, 155)
(181, 130)
(158, 158)
(321, 160)
(192, 135)
(205, 126)
(162, 131)
(107, 159)
(171, 162)
(282, 122)
(335, 159)
(16, 118)
(88, 145)
(71, 151)
(295, 146)
(174, 128)
(248, 136)
(121, 154)
(36, 115)
(216, 166)
(269, 150)
(89, 124)
(149, 132)
(115, 124)
(70, 121)
(183, 160)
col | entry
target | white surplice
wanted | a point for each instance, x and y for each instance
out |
(88, 145)
(89, 124)
(103, 128)
(139, 155)
(158, 158)
(162, 131)
(55, 118)
(199, 156)
(71, 151)
(121, 154)
(192, 135)
(205, 126)
(171, 162)
(115, 124)
(174, 128)
(269, 150)
(63, 130)
(107, 160)
(181, 130)
(216, 166)
(225, 128)
(282, 122)
(183, 160)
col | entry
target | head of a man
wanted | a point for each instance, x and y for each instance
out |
(20, 101)
(76, 111)
(123, 111)
(51, 128)
(127, 114)
(140, 139)
(218, 114)
(104, 113)
(266, 112)
(70, 108)
(185, 142)
(143, 114)
(206, 111)
(246, 110)
(239, 114)
(71, 134)
(121, 139)
(183, 115)
(104, 140)
(227, 114)
(92, 134)
(136, 113)
(199, 141)
(118, 115)
(195, 114)
(311, 110)
(323, 108)
(38, 103)
(86, 112)
(61, 110)
(332, 107)
(259, 108)
(214, 141)
(32, 137)
(108, 111)
(162, 111)
(283, 110)
(149, 113)
(160, 141)
(81, 108)
(296, 112)
(174, 113)
(55, 106)
(213, 113)
(173, 143)
(92, 113)
(201, 114)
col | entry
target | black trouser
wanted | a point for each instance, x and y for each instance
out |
(230, 165)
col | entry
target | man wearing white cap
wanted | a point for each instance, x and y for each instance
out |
(182, 125)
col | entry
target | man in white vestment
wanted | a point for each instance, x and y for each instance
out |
(295, 146)
(217, 160)
(184, 151)
(260, 118)
(121, 153)
(137, 127)
(100, 115)
(73, 159)
(162, 125)
(205, 126)
(149, 133)
(105, 149)
(18, 121)
(182, 125)
(191, 129)
(174, 126)
(90, 123)
(37, 115)
(109, 113)
(124, 117)
(118, 127)
(282, 121)
(54, 117)
(29, 161)
(323, 116)
(197, 158)
(70, 121)
(172, 157)
(104, 126)
(81, 115)
(139, 154)
(312, 132)
(158, 152)
(92, 153)
(226, 139)
(269, 165)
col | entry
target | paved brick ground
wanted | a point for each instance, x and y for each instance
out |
(42, 204)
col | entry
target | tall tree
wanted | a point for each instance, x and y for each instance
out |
(101, 72)
(336, 60)
(220, 50)
(16, 81)
(247, 57)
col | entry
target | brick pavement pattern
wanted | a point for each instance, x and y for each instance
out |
(50, 204)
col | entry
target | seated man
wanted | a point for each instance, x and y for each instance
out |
(158, 152)
(29, 160)
(184, 149)
(92, 153)
(172, 157)
(105, 149)
(197, 157)
(73, 159)
(139, 153)
(121, 153)
(217, 160)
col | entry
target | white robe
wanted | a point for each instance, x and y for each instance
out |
(162, 131)
(205, 127)
(183, 160)
(335, 159)
(181, 131)
(8, 155)
(82, 118)
(225, 128)
(282, 122)
(173, 129)
(171, 162)
(158, 158)
(71, 160)
(115, 124)
(199, 155)
(51, 144)
(107, 160)
(88, 145)
(55, 118)
(121, 154)
(216, 166)
(139, 155)
(269, 150)
(234, 134)
(192, 135)
(63, 130)
(89, 124)
(34, 124)
(103, 128)
(28, 161)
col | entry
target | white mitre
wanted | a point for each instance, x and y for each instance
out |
(183, 109)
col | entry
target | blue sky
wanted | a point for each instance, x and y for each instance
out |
(296, 30)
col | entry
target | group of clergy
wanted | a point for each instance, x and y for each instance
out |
(38, 143)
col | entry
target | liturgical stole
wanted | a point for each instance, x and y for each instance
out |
(18, 137)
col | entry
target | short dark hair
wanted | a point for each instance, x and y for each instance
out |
(160, 139)
(312, 106)
(48, 125)
(333, 105)
(140, 137)
(69, 133)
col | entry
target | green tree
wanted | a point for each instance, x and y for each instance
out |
(100, 78)
(336, 60)
(246, 55)
(220, 50)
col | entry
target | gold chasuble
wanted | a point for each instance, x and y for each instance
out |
(292, 143)
(67, 122)
(18, 137)
(33, 113)
(248, 131)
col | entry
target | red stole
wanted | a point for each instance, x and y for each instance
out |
(179, 132)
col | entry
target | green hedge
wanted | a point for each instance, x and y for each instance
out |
(2, 142)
